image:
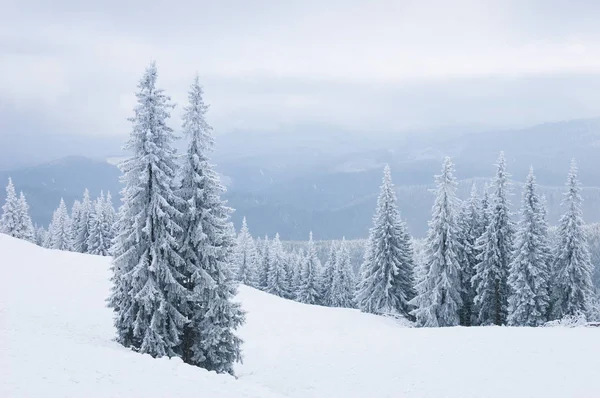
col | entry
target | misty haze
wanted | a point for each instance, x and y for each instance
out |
(299, 199)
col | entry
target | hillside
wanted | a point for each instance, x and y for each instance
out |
(56, 340)
(327, 181)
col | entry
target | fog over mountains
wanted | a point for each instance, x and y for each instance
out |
(321, 179)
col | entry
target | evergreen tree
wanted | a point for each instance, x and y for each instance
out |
(99, 239)
(277, 280)
(529, 275)
(343, 283)
(327, 276)
(438, 299)
(41, 234)
(308, 288)
(111, 215)
(83, 226)
(59, 233)
(10, 223)
(387, 280)
(296, 260)
(27, 232)
(471, 228)
(75, 217)
(207, 249)
(148, 294)
(246, 257)
(495, 247)
(263, 266)
(572, 279)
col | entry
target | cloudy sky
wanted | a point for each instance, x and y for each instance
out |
(69, 66)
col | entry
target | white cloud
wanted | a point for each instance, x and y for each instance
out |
(268, 63)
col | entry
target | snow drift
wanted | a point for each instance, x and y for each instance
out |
(56, 340)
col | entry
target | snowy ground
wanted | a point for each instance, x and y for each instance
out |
(56, 341)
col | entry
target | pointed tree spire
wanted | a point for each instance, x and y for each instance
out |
(572, 279)
(471, 228)
(246, 257)
(277, 280)
(263, 264)
(99, 239)
(83, 225)
(326, 278)
(529, 275)
(387, 281)
(26, 225)
(438, 299)
(9, 223)
(343, 284)
(207, 249)
(495, 247)
(59, 233)
(309, 291)
(148, 291)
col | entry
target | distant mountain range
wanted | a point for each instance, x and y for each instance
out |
(328, 183)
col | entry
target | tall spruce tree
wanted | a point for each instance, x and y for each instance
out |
(529, 275)
(471, 228)
(387, 281)
(83, 225)
(343, 283)
(148, 292)
(327, 275)
(60, 235)
(246, 257)
(309, 291)
(277, 279)
(25, 223)
(9, 223)
(572, 279)
(438, 299)
(99, 239)
(111, 215)
(207, 249)
(495, 247)
(263, 263)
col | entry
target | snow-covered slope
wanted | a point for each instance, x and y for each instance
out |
(56, 340)
(56, 336)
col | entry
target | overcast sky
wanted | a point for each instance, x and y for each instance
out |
(70, 66)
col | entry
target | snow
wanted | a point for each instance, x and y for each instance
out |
(56, 341)
(56, 336)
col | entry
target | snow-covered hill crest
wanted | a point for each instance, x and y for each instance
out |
(56, 340)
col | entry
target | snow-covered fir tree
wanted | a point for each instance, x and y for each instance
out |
(296, 260)
(59, 232)
(387, 281)
(10, 223)
(246, 257)
(277, 280)
(327, 275)
(343, 283)
(111, 215)
(83, 225)
(438, 301)
(263, 264)
(495, 250)
(148, 292)
(309, 291)
(99, 239)
(529, 275)
(75, 216)
(41, 234)
(572, 269)
(471, 228)
(207, 249)
(25, 223)
(15, 220)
